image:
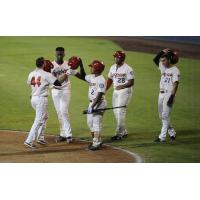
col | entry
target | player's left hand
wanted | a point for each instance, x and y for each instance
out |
(90, 110)
(171, 100)
(119, 87)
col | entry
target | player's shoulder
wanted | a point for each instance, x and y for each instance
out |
(125, 65)
(176, 69)
(34, 72)
(101, 78)
(113, 67)
(31, 73)
(89, 77)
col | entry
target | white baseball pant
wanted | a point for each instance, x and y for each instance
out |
(61, 99)
(164, 114)
(94, 121)
(121, 98)
(40, 105)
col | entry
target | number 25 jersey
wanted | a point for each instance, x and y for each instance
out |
(120, 75)
(168, 77)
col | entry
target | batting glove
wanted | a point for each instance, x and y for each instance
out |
(90, 110)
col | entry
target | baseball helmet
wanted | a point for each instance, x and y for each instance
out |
(173, 56)
(120, 55)
(98, 66)
(74, 62)
(47, 66)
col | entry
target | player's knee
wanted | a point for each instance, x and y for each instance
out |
(97, 128)
(164, 115)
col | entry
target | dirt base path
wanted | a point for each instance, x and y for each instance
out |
(12, 150)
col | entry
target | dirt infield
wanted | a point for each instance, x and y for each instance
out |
(12, 150)
(142, 44)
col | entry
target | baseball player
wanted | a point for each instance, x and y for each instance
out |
(170, 77)
(97, 87)
(39, 80)
(61, 96)
(122, 77)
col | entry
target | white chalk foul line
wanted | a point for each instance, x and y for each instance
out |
(136, 157)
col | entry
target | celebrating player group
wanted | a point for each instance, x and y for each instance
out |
(56, 76)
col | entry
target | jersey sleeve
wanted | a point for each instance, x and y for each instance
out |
(176, 76)
(29, 79)
(71, 72)
(130, 74)
(88, 78)
(50, 78)
(101, 86)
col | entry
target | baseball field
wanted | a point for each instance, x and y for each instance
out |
(17, 59)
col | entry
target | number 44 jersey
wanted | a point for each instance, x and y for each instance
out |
(40, 81)
(120, 75)
(168, 77)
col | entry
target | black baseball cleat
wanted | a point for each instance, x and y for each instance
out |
(94, 148)
(42, 142)
(60, 139)
(158, 140)
(173, 138)
(125, 136)
(118, 137)
(69, 139)
(30, 145)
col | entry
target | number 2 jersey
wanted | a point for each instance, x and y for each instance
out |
(96, 85)
(168, 77)
(40, 81)
(120, 75)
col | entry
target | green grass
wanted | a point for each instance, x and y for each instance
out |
(18, 56)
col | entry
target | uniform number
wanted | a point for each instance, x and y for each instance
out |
(167, 80)
(121, 80)
(92, 92)
(36, 81)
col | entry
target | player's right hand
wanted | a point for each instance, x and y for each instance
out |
(171, 100)
(166, 50)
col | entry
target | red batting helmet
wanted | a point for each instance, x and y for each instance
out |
(120, 55)
(47, 66)
(175, 57)
(74, 62)
(98, 66)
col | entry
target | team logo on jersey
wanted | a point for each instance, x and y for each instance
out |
(92, 84)
(118, 75)
(167, 74)
(101, 85)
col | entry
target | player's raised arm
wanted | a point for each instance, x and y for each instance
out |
(81, 75)
(159, 55)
